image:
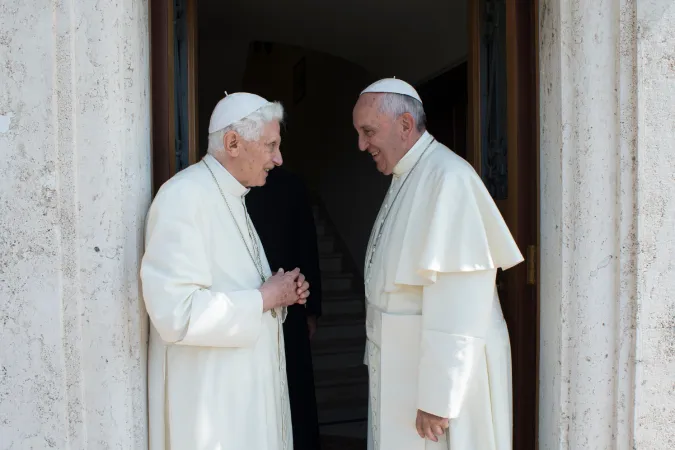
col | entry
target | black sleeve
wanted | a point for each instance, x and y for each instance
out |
(307, 247)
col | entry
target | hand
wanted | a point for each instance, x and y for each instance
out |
(281, 289)
(303, 289)
(430, 426)
(312, 325)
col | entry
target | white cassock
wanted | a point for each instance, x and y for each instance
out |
(216, 375)
(437, 340)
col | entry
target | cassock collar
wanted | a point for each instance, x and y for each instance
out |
(225, 179)
(410, 158)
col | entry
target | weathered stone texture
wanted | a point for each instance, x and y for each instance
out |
(74, 189)
(607, 224)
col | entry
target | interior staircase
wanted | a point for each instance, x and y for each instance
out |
(341, 378)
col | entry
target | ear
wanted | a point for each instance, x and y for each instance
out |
(232, 143)
(407, 124)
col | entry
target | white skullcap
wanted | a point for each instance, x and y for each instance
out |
(393, 86)
(233, 108)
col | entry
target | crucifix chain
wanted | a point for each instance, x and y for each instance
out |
(380, 228)
(257, 261)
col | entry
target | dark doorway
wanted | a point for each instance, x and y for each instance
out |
(463, 99)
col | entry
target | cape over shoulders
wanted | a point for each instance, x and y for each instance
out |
(191, 180)
(190, 190)
(442, 165)
(450, 223)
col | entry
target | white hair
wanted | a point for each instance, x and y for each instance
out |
(249, 128)
(397, 104)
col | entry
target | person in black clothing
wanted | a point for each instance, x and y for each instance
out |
(281, 212)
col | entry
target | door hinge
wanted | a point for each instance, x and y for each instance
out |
(531, 264)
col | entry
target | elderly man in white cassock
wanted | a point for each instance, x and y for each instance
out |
(437, 345)
(217, 375)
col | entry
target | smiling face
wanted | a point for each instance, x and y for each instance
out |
(383, 136)
(252, 160)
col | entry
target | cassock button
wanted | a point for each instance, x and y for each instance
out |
(274, 314)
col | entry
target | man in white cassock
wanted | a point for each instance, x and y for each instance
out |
(437, 346)
(217, 375)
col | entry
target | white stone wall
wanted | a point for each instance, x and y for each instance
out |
(607, 361)
(655, 346)
(74, 189)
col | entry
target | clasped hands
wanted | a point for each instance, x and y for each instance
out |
(284, 289)
(430, 426)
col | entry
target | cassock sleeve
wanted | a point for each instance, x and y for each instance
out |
(455, 317)
(176, 279)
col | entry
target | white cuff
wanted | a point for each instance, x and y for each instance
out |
(446, 364)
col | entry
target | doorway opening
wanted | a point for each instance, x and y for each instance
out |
(474, 65)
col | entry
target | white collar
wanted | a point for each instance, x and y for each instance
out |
(410, 158)
(225, 179)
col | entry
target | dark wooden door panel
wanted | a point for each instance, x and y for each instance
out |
(503, 147)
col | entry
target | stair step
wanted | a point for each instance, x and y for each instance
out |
(342, 414)
(321, 228)
(347, 306)
(331, 263)
(337, 282)
(356, 344)
(337, 296)
(327, 333)
(344, 319)
(337, 377)
(340, 377)
(338, 361)
(353, 430)
(351, 394)
(326, 244)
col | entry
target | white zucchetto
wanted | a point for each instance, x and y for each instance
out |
(392, 86)
(233, 108)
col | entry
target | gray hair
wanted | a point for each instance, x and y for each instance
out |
(397, 104)
(249, 128)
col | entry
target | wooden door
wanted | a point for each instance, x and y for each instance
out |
(503, 147)
(173, 87)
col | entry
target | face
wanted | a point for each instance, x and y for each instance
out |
(379, 134)
(256, 158)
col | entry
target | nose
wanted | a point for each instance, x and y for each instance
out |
(277, 159)
(363, 144)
